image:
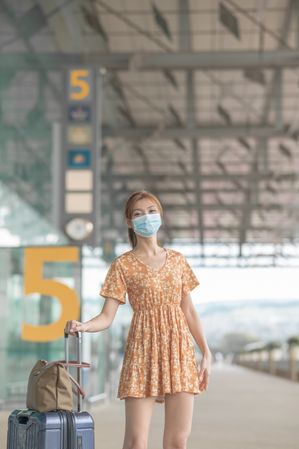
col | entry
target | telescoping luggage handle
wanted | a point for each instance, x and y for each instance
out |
(78, 336)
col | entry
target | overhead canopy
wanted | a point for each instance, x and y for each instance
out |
(199, 106)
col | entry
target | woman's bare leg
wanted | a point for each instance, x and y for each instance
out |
(178, 420)
(138, 418)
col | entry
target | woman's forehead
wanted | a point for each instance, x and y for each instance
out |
(144, 203)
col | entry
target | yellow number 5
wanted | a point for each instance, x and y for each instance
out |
(78, 79)
(34, 282)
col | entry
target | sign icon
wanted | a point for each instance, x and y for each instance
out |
(79, 158)
(79, 135)
(79, 113)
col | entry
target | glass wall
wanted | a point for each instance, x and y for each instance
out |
(103, 350)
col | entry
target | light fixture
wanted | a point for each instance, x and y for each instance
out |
(229, 20)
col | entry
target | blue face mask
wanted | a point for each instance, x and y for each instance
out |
(147, 225)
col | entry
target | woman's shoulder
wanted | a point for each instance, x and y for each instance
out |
(174, 251)
(122, 258)
(178, 257)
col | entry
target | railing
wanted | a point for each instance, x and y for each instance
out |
(274, 359)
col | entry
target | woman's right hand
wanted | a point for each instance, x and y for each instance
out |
(74, 326)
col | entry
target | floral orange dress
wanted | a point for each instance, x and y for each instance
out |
(159, 353)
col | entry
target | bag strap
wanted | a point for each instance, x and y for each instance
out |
(75, 363)
(83, 364)
(81, 390)
(70, 363)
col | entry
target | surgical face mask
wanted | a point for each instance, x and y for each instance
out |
(147, 225)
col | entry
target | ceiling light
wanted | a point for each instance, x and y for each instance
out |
(175, 115)
(170, 77)
(285, 150)
(223, 113)
(94, 22)
(161, 21)
(256, 76)
(229, 20)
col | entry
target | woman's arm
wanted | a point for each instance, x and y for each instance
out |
(99, 322)
(196, 330)
(194, 324)
(105, 318)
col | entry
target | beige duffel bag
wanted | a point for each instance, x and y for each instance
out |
(50, 386)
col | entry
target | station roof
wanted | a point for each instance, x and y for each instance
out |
(199, 104)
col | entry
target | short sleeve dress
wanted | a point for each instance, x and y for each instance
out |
(159, 353)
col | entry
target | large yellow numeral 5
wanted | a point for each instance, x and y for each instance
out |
(77, 81)
(34, 282)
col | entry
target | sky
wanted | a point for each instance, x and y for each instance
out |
(229, 284)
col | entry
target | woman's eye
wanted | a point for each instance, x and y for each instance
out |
(139, 215)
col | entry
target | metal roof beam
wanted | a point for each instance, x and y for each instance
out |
(210, 228)
(289, 176)
(274, 88)
(66, 25)
(220, 207)
(224, 60)
(156, 132)
(185, 44)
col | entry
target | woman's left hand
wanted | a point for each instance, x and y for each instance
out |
(205, 370)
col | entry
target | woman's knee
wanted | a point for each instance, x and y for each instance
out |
(137, 442)
(176, 441)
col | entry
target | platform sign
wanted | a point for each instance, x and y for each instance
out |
(79, 160)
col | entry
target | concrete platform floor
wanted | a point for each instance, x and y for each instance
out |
(242, 409)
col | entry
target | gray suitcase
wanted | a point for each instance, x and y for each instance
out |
(57, 429)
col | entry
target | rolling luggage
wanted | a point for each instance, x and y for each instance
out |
(57, 429)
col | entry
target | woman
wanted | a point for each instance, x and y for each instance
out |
(159, 363)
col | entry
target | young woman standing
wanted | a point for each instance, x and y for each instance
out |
(159, 363)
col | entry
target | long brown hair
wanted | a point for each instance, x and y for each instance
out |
(129, 206)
